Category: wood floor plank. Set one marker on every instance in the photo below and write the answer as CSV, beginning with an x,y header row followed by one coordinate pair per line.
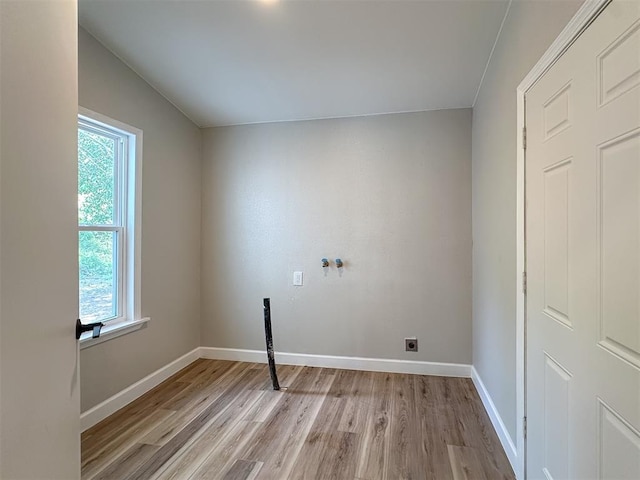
x,y
263,408
99,459
480,432
432,445
309,461
328,450
406,460
196,403
125,418
162,396
243,470
287,374
280,438
197,449
196,364
465,463
357,402
226,423
122,468
374,449
169,449
207,379
339,456
225,452
278,421
448,420
332,456
200,368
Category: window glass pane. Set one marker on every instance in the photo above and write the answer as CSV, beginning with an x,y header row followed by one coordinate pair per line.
x,y
96,178
98,277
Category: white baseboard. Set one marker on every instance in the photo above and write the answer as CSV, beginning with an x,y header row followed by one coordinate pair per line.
x,y
498,425
233,354
111,405
345,363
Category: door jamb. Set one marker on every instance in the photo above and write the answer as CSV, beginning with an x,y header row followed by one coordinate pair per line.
x,y
589,10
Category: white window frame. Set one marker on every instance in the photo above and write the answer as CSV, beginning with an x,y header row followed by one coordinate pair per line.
x,y
129,314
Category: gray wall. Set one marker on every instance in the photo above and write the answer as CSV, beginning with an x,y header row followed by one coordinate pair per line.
x,y
390,195
170,225
528,31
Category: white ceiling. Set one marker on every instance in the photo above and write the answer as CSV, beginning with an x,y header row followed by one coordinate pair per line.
x,y
226,62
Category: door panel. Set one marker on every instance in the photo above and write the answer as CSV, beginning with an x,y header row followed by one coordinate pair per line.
x,y
583,256
556,241
557,388
619,210
39,395
619,446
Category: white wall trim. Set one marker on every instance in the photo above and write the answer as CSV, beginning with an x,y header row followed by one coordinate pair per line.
x,y
587,13
111,331
101,411
589,10
132,249
498,425
235,354
345,363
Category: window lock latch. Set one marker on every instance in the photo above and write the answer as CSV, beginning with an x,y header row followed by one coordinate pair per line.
x,y
81,328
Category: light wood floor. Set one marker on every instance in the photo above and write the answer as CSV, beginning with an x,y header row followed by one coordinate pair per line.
x,y
220,420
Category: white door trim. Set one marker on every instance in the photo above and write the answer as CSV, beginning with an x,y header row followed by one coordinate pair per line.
x,y
589,10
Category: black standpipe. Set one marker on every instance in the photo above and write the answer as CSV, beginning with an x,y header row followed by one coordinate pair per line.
x,y
269,336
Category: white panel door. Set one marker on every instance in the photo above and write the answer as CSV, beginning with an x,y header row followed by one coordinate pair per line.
x,y
583,256
39,394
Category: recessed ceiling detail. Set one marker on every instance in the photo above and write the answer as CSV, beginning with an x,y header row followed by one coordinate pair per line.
x,y
234,62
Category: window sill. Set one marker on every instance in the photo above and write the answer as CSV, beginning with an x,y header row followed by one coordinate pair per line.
x,y
111,331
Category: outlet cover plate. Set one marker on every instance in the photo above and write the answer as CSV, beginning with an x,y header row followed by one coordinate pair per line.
x,y
411,344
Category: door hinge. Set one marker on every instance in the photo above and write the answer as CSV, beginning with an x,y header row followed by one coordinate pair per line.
x,y
524,138
524,427
524,282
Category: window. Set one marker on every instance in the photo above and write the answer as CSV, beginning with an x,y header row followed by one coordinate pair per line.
x,y
108,219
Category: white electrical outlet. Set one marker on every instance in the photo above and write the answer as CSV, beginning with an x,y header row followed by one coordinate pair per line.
x,y
297,279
